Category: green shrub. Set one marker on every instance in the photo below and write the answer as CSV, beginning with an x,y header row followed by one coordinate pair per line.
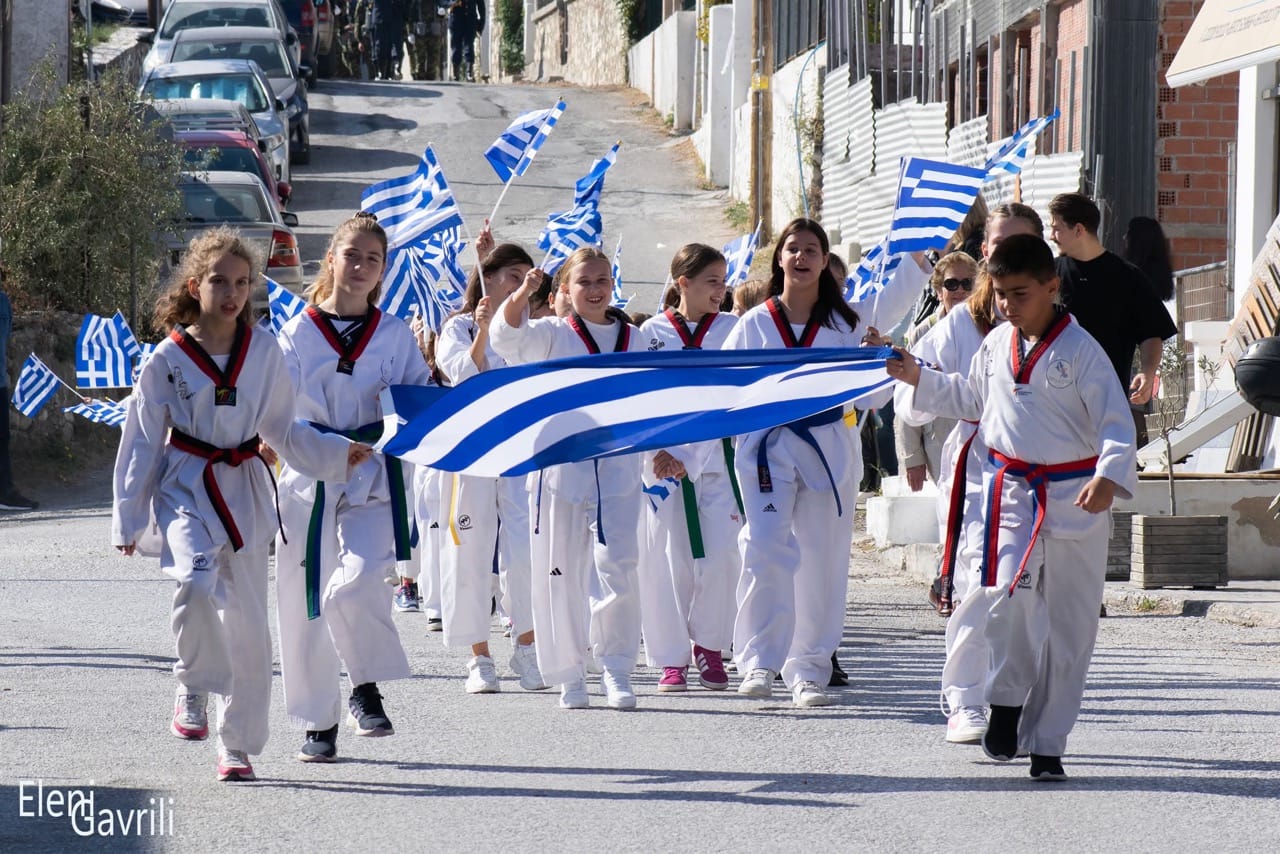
x,y
511,49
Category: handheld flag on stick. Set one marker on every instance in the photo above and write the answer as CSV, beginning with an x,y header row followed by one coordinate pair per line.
x,y
616,299
105,350
1016,151
872,273
933,199
591,185
109,412
569,235
513,151
415,206
283,305
426,278
739,254
36,384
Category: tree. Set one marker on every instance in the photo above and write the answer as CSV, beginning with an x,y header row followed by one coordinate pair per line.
x,y
89,178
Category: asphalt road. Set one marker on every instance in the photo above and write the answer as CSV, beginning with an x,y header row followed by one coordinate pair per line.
x,y
1176,749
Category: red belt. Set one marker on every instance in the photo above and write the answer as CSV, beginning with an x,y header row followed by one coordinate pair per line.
x,y
1037,476
955,518
212,455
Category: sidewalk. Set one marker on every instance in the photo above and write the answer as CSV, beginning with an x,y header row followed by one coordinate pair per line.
x,y
1243,603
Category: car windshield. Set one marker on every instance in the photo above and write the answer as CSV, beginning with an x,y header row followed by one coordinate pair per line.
x,y
213,203
243,88
224,160
191,15
269,55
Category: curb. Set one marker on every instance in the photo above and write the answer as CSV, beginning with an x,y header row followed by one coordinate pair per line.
x,y
1149,603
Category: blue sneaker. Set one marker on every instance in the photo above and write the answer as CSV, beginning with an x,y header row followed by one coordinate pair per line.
x,y
406,598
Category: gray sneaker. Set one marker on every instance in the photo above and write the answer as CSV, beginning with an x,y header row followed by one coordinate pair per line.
x,y
190,715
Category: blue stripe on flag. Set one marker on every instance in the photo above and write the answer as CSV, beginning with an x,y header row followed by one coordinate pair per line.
x,y
591,185
933,199
282,304
105,350
412,207
36,385
1014,153
513,150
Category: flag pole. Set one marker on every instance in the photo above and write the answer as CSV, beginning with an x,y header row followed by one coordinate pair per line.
x,y
494,214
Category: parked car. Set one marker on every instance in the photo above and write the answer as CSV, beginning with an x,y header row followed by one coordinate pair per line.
x,y
209,114
240,200
326,38
138,15
302,17
260,46
189,14
230,151
233,79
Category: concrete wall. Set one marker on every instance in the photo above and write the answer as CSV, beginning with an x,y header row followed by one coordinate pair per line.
x,y
40,30
579,41
662,65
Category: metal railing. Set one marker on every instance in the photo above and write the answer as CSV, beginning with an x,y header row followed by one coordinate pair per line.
x,y
1204,293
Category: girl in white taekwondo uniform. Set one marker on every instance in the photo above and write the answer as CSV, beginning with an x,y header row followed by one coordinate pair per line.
x,y
950,346
190,455
1061,443
344,537
689,563
483,511
799,483
584,530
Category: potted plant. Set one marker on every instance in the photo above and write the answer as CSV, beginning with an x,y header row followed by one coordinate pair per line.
x,y
1173,550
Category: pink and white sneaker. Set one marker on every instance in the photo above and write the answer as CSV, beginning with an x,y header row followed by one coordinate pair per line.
x,y
190,718
672,681
711,674
233,766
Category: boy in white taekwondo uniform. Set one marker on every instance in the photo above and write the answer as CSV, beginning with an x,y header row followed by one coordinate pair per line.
x,y
584,516
1061,440
689,558
344,537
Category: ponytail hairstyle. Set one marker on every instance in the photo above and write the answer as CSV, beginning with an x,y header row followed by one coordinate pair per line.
x,y
689,260
503,255
982,302
176,305
577,259
830,292
361,223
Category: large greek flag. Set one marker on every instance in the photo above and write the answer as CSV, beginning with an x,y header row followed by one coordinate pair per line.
x,y
1016,150
516,420
105,350
513,151
36,384
934,197
413,207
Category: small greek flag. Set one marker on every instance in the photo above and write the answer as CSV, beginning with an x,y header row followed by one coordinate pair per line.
x,y
934,197
872,273
109,412
36,384
105,350
591,185
566,233
425,278
282,304
616,299
1016,150
415,206
513,151
739,254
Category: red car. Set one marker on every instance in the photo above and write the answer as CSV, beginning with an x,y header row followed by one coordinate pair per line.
x,y
231,151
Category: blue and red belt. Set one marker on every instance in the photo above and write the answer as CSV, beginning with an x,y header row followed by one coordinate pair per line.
x,y
801,428
368,434
213,455
1037,476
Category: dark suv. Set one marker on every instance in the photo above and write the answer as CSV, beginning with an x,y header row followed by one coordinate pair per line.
x,y
302,17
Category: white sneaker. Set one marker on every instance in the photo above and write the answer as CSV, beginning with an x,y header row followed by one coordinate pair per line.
x,y
617,688
808,694
482,677
967,725
758,683
524,661
594,666
573,695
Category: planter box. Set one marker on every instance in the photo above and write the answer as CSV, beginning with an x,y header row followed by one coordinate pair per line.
x,y
1179,551
1120,548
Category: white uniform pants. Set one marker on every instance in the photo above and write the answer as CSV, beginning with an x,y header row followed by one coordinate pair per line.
x,y
576,579
964,676
221,629
354,628
429,486
795,576
467,551
1042,636
685,601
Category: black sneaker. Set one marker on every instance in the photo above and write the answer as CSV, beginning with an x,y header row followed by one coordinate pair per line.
x,y
1001,740
320,746
14,500
1047,768
366,711
839,678
435,624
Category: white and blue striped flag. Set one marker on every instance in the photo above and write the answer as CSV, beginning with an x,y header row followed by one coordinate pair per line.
x,y
1016,150
871,275
415,206
140,361
616,299
109,412
739,254
934,197
36,384
282,304
520,419
566,233
425,278
591,185
513,151
105,350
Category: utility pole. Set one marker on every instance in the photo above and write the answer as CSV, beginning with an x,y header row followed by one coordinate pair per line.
x,y
762,118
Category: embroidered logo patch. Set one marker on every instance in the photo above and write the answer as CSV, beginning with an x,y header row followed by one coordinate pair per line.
x,y
200,562
464,523
1059,375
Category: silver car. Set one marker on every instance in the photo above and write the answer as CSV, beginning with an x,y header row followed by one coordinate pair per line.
x,y
240,200
187,14
235,80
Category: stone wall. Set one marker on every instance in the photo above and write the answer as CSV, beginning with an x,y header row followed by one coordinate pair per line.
x,y
578,41
122,54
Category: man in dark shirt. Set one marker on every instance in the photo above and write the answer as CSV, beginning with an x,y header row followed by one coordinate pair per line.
x,y
1109,297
